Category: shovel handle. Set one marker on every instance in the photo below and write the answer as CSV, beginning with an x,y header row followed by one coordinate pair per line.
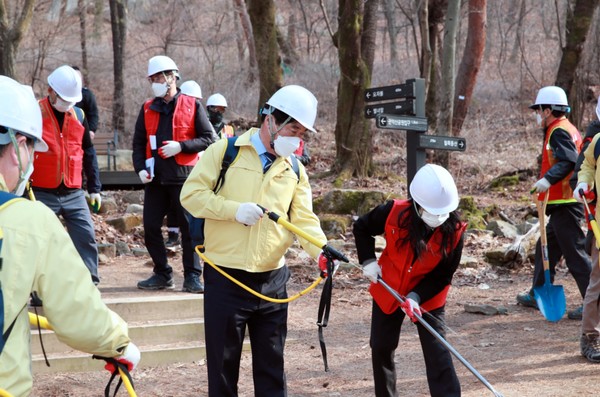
x,y
591,217
541,209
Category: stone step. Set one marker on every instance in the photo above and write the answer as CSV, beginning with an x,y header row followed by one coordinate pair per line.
x,y
145,334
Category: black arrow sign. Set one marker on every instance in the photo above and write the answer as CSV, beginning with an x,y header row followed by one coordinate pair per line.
x,y
402,107
389,92
441,142
408,123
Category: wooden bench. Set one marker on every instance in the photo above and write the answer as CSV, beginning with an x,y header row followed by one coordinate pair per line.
x,y
106,145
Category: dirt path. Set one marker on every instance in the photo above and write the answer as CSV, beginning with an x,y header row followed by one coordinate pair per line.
x,y
520,354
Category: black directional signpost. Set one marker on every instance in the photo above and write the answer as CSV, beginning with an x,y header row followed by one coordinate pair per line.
x,y
408,114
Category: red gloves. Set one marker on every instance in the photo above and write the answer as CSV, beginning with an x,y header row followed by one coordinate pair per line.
x,y
130,358
323,265
410,308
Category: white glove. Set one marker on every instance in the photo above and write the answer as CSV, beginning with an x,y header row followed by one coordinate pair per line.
x,y
248,214
410,308
130,357
541,186
372,271
145,176
170,149
580,186
95,202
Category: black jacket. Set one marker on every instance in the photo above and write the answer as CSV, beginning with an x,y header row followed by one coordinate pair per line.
x,y
89,107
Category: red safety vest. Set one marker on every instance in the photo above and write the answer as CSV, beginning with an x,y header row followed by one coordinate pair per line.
x,y
561,191
63,162
183,126
399,267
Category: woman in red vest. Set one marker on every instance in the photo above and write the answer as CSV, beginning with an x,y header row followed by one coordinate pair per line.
x,y
424,242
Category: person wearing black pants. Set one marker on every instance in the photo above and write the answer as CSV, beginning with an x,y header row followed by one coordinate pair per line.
x,y
441,377
424,242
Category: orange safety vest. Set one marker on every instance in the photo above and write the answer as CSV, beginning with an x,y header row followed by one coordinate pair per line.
x,y
226,131
183,126
561,191
63,162
399,267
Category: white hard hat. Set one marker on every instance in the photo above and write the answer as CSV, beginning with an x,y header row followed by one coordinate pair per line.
x,y
216,100
598,109
161,63
298,103
191,88
553,96
66,82
434,190
20,111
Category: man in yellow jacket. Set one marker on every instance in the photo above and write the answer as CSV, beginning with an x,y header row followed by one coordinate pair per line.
x,y
38,255
249,248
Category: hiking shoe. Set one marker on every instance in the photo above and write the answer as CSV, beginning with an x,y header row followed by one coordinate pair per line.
x,y
575,314
590,347
193,284
156,282
527,299
172,240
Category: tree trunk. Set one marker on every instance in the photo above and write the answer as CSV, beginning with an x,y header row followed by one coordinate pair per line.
x,y
392,30
11,36
82,28
247,29
471,62
355,38
446,99
118,22
578,26
262,16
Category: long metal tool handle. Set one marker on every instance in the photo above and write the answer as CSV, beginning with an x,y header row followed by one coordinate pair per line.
x,y
442,340
541,209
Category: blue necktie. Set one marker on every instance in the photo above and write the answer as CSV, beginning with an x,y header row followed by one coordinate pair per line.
x,y
270,158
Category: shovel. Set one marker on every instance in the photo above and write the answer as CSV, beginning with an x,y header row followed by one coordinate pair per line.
x,y
550,298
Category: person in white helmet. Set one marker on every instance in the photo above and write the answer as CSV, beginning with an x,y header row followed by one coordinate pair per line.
x,y
191,88
250,248
38,255
562,143
588,178
170,131
424,242
216,106
58,180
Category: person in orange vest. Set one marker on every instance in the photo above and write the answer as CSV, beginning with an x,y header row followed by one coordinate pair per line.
x,y
424,242
171,129
57,178
216,106
562,143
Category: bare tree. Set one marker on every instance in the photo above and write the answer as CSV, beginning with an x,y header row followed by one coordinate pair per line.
x,y
388,6
262,16
247,30
578,23
355,41
471,62
81,6
11,35
118,22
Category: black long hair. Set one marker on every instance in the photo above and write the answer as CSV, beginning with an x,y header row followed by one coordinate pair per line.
x,y
419,232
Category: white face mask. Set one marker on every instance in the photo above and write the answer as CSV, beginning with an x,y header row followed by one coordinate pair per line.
x,y
433,221
538,119
62,105
286,145
160,89
24,176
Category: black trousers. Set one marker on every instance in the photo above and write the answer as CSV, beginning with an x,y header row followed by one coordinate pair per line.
x,y
228,311
385,334
158,199
565,238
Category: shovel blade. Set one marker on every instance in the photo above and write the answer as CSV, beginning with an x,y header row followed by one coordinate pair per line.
x,y
551,300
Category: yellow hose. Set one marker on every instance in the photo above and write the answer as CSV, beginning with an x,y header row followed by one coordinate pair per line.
x,y
4,393
250,290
